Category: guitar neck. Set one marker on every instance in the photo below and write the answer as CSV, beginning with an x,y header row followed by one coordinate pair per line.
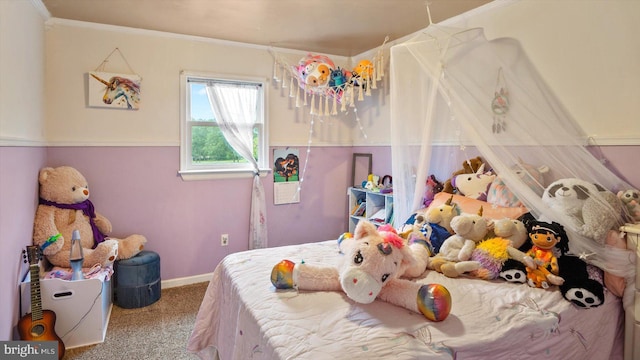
x,y
36,303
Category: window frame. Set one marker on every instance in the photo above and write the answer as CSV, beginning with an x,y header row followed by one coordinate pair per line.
x,y
189,171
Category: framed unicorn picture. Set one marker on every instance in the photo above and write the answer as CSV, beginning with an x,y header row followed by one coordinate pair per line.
x,y
112,90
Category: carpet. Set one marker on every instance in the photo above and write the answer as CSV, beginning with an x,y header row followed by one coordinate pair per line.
x,y
157,331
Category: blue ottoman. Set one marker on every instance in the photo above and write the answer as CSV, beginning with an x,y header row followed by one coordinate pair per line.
x,y
136,281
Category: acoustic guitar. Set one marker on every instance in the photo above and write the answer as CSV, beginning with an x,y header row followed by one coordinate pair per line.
x,y
39,325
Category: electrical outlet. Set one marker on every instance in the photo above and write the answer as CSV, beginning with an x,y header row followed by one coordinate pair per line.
x,y
224,239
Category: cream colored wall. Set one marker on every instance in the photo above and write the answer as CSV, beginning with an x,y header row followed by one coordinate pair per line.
x,y
589,54
22,73
586,50
73,49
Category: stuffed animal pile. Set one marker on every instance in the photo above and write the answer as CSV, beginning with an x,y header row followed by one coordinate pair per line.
x,y
65,207
502,244
452,260
379,263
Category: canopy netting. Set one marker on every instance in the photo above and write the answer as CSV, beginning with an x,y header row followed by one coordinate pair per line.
x,y
456,95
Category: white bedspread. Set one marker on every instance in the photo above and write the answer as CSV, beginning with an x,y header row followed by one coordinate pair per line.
x,y
244,317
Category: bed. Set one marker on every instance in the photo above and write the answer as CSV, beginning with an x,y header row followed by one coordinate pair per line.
x,y
442,83
243,316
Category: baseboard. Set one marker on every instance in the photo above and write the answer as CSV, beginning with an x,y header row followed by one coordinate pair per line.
x,y
166,284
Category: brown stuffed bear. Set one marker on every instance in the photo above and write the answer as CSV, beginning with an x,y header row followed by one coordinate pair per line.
x,y
468,167
64,207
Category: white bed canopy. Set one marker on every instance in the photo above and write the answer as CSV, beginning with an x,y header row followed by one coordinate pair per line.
x,y
444,84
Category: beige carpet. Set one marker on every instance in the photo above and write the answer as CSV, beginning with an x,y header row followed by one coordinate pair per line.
x,y
157,331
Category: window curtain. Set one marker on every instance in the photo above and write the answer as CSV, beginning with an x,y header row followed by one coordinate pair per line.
x,y
235,107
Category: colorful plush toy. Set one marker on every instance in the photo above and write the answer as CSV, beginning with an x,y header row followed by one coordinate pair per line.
x,y
541,260
592,209
631,199
499,194
314,71
452,260
371,269
583,283
64,207
507,236
363,69
469,166
474,185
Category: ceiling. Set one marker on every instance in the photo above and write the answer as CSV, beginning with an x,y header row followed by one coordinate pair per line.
x,y
335,27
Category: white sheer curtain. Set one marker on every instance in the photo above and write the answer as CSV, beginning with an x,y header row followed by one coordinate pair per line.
x,y
443,82
235,106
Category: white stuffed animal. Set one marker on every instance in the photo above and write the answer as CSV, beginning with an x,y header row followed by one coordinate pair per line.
x,y
452,260
475,186
592,210
373,264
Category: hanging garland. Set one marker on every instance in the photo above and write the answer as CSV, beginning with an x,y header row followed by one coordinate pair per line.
x,y
329,86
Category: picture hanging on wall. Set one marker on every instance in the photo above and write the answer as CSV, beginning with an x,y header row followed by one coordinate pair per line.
x,y
111,90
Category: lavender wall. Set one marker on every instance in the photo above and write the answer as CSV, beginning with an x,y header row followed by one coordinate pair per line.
x,y
19,168
622,160
139,190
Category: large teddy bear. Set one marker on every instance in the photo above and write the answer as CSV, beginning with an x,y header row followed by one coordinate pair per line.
x,y
65,207
372,265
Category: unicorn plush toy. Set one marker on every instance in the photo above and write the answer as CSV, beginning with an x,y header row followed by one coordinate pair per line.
x,y
371,269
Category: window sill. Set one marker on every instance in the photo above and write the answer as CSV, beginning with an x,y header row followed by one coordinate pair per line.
x,y
191,175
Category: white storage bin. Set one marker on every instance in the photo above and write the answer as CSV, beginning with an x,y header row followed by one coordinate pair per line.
x,y
82,308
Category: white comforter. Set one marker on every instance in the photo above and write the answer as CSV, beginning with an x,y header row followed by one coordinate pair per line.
x,y
244,317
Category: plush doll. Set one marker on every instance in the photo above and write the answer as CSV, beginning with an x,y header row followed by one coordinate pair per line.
x,y
631,199
469,166
499,194
371,269
541,260
452,260
592,209
474,185
582,283
64,207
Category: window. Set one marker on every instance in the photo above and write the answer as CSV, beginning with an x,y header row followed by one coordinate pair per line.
x,y
205,152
